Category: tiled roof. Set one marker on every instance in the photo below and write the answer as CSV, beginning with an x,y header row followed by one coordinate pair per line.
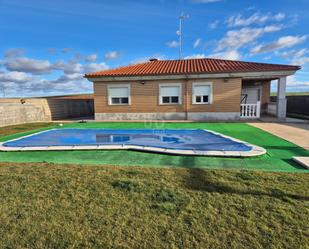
x,y
190,66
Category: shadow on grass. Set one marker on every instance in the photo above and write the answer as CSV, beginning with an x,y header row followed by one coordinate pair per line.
x,y
203,180
280,152
292,163
188,161
293,149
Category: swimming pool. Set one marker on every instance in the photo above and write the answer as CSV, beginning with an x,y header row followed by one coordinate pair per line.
x,y
171,141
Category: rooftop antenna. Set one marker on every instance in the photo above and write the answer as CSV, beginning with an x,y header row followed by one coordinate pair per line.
x,y
182,17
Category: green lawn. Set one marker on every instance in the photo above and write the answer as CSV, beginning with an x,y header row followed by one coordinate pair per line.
x,y
71,206
278,158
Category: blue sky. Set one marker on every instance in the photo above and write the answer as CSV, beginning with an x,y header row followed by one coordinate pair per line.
x,y
46,46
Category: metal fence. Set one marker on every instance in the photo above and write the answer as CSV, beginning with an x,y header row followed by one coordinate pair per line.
x,y
296,104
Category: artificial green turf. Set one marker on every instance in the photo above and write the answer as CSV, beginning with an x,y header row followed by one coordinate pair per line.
x,y
278,158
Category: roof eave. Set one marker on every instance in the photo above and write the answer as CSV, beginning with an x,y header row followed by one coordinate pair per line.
x,y
243,75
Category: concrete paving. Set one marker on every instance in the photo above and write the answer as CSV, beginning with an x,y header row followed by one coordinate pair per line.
x,y
272,119
303,161
297,133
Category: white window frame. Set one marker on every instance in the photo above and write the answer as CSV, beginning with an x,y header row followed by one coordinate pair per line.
x,y
117,86
194,95
170,84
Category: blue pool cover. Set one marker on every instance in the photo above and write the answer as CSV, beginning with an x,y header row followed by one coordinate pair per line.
x,y
169,139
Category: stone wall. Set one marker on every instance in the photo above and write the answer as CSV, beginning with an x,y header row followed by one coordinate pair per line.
x,y
17,111
12,113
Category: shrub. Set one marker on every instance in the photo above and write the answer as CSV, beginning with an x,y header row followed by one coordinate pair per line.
x,y
127,185
246,176
168,200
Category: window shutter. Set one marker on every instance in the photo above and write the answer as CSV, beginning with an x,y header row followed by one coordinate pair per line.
x,y
170,91
119,92
201,90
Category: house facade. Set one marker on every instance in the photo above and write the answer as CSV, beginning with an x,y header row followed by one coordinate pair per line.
x,y
195,89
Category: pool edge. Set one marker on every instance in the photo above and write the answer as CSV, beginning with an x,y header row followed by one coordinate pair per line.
x,y
255,151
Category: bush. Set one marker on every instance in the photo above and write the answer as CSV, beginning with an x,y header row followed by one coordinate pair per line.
x,y
246,176
127,185
168,200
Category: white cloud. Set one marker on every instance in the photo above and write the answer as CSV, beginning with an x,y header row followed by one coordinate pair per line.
x,y
68,67
65,78
33,66
300,61
227,55
279,17
214,24
27,65
76,58
235,39
92,67
293,53
71,68
14,52
256,18
282,42
197,42
46,87
112,55
17,77
52,50
173,44
66,50
91,58
298,57
296,85
147,58
19,73
195,56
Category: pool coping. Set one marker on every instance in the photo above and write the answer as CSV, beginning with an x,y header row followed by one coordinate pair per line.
x,y
255,151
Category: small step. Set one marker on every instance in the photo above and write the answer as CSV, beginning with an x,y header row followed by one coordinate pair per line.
x,y
303,161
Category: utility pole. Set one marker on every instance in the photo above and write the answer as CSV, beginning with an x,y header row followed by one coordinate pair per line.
x,y
182,17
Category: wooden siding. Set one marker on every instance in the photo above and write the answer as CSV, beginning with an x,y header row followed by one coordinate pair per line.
x,y
145,97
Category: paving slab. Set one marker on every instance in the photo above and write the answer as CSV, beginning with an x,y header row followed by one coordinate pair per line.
x,y
292,132
303,161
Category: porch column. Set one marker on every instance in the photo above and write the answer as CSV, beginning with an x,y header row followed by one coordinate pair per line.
x,y
281,98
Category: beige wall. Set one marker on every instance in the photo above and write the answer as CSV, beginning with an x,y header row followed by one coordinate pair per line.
x,y
12,111
265,94
144,98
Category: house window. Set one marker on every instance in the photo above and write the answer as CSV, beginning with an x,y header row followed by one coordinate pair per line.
x,y
119,95
202,93
170,94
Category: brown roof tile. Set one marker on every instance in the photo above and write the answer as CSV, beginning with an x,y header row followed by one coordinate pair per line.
x,y
190,66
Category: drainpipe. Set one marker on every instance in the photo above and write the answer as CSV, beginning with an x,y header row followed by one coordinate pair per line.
x,y
186,99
